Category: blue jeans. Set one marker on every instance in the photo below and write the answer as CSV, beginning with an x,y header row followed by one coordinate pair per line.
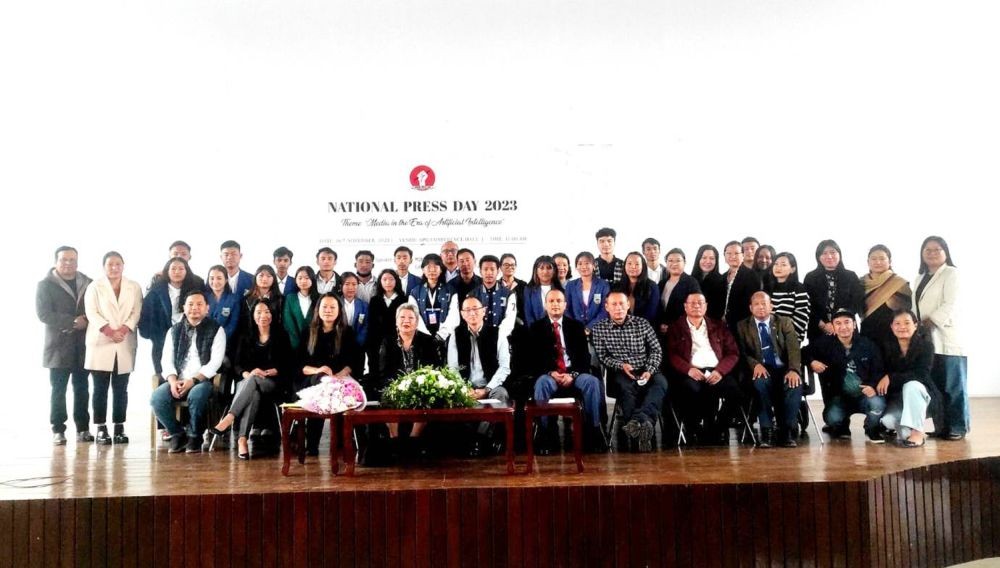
x,y
59,379
951,377
838,412
774,392
163,406
586,384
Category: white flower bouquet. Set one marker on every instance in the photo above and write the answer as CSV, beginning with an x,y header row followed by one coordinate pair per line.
x,y
429,387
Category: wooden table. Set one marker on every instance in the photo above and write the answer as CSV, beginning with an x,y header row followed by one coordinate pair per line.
x,y
289,416
378,415
534,409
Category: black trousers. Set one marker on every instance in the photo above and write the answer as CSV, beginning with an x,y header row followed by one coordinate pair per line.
x,y
59,379
119,390
700,400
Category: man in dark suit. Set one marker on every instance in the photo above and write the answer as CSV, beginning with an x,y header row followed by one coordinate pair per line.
x,y
703,358
240,281
742,282
770,349
282,261
561,361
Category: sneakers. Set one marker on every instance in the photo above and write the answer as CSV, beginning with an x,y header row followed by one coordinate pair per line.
x,y
177,443
193,445
84,436
103,438
58,439
766,439
875,436
645,437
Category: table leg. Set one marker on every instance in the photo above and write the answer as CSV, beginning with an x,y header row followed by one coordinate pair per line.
x,y
350,452
286,444
578,439
334,447
508,426
301,435
529,441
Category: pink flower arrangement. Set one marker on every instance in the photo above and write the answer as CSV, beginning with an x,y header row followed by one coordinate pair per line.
x,y
333,395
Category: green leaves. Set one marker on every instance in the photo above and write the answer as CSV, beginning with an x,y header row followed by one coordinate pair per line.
x,y
429,387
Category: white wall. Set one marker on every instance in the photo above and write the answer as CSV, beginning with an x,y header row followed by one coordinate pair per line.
x,y
126,125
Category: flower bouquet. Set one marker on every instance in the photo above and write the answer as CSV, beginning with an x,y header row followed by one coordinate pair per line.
x,y
429,387
332,395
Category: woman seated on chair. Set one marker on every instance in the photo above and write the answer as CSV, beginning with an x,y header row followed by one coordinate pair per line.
x,y
263,361
330,348
907,384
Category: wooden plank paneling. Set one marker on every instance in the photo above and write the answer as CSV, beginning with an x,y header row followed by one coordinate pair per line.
x,y
317,553
362,528
51,537
347,551
145,528
331,530
439,528
759,506
67,528
501,529
209,536
113,514
36,532
223,530
254,530
191,519
728,528
709,498
82,524
776,524
515,526
238,530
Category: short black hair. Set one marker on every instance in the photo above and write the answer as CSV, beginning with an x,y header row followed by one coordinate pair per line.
x,y
114,253
651,241
194,292
405,249
749,240
364,252
326,249
462,251
230,245
64,248
489,258
676,250
508,255
179,244
282,251
606,232
732,243
345,275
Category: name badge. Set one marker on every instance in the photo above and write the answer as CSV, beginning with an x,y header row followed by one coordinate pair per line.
x,y
503,302
597,297
226,312
361,318
432,318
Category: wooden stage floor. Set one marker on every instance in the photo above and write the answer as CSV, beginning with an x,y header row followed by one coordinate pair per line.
x,y
87,470
845,503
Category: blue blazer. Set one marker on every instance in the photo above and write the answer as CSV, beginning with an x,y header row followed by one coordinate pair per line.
x,y
225,311
594,311
412,281
290,287
534,306
156,319
243,283
360,321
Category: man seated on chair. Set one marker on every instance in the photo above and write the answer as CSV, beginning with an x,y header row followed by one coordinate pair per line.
x,y
770,348
192,355
702,356
481,355
628,348
560,359
850,366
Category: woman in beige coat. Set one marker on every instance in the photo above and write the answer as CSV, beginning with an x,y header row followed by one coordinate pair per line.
x,y
112,304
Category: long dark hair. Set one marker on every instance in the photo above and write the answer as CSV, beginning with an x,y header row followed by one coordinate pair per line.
x,y
696,270
255,331
187,285
256,292
380,291
316,324
793,278
944,246
433,259
545,259
569,265
643,288
313,292
227,289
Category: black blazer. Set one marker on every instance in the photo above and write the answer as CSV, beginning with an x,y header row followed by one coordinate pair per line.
x,y
850,295
675,303
543,346
745,285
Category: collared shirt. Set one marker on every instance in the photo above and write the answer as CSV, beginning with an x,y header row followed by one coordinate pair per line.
x,y
655,274
366,289
305,301
282,280
234,281
702,354
633,341
450,275
192,363
404,281
326,286
349,311
476,375
175,297
767,329
612,271
562,341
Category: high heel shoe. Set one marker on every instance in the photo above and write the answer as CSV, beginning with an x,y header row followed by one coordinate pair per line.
x,y
220,433
245,456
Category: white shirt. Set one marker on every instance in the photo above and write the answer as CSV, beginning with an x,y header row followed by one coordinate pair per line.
x,y
325,286
305,302
281,284
404,281
366,290
562,341
234,281
767,327
192,363
654,274
175,296
702,355
349,311
476,375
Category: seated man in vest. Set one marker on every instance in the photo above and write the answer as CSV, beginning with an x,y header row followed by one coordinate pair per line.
x,y
628,347
703,358
481,355
560,359
770,348
192,355
500,304
850,366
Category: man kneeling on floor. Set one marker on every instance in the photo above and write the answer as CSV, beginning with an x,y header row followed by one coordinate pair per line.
x,y
627,346
192,355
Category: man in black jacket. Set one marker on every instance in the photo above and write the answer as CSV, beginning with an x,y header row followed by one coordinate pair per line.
x,y
59,305
561,361
850,366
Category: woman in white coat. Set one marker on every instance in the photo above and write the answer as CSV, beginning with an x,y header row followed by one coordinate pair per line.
x,y
935,296
113,304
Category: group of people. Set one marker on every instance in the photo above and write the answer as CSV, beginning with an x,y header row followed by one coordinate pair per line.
x,y
739,331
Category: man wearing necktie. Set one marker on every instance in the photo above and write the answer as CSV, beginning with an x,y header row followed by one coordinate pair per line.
x,y
770,349
560,359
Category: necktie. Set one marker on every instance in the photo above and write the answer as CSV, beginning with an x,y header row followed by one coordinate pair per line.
x,y
766,347
560,352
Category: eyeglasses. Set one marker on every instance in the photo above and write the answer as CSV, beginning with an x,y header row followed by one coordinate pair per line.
x,y
472,310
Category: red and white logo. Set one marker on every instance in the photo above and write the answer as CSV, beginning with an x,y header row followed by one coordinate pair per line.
x,y
422,178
